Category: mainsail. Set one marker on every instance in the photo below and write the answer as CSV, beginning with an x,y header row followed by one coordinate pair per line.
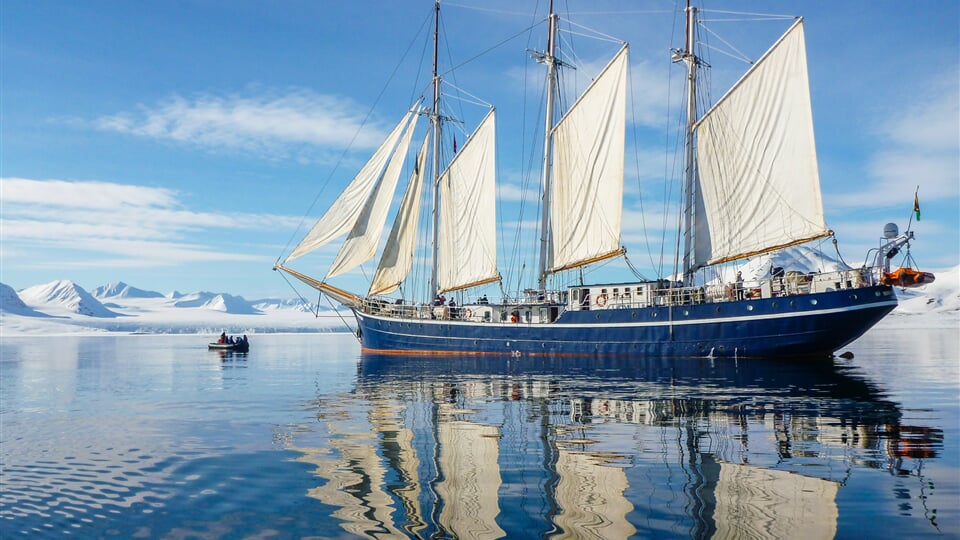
x,y
468,237
586,204
346,210
397,255
759,187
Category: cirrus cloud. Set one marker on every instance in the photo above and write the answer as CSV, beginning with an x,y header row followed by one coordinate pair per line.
x,y
270,123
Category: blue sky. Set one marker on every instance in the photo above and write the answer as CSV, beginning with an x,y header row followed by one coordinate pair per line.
x,y
187,145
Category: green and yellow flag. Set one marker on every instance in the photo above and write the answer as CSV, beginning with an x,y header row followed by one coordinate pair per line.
x,y
916,206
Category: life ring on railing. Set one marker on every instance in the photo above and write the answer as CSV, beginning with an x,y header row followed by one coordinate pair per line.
x,y
468,312
601,300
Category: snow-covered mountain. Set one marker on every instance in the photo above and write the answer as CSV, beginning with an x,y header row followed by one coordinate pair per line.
x,y
274,304
64,297
941,296
803,259
10,303
63,307
122,290
798,259
216,301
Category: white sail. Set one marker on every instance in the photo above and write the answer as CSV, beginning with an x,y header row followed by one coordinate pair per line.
x,y
468,239
758,186
361,244
586,203
397,255
344,212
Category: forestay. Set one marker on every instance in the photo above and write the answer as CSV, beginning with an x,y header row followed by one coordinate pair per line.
x,y
759,187
586,202
468,241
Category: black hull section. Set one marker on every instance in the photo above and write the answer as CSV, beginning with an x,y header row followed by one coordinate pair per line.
x,y
804,325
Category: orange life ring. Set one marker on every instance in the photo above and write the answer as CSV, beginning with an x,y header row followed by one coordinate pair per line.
x,y
601,300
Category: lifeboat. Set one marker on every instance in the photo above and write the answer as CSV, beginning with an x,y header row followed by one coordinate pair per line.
x,y
907,277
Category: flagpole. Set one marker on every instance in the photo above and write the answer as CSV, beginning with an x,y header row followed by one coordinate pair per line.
x,y
916,208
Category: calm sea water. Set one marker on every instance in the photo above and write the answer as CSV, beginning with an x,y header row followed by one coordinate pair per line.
x,y
156,437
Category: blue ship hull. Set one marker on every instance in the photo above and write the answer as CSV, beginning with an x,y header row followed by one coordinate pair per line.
x,y
805,325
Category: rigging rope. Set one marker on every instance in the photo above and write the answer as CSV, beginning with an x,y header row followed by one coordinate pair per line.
x,y
316,313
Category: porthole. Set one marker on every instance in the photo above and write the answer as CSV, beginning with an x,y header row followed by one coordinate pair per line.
x,y
793,303
633,314
508,344
718,309
853,297
813,301
686,313
654,314
749,308
773,304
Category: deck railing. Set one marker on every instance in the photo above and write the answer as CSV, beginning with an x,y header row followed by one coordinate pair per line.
x,y
530,305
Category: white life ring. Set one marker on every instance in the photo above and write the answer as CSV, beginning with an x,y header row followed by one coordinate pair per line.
x,y
601,300
468,313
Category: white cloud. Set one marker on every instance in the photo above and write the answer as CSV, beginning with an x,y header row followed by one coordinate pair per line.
x,y
140,226
268,123
920,146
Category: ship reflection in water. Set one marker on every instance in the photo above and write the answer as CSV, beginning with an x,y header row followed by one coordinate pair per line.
x,y
574,448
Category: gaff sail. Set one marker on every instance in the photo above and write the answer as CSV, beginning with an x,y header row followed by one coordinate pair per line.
x,y
586,203
468,236
758,186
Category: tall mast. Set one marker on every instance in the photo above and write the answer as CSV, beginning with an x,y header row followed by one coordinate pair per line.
x,y
688,205
435,121
545,230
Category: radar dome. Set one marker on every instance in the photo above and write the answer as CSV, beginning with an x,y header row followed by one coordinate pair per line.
x,y
890,230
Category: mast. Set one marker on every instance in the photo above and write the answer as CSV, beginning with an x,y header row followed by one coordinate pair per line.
x,y
691,60
435,120
549,59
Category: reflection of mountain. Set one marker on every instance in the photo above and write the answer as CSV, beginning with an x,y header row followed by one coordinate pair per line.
x,y
476,448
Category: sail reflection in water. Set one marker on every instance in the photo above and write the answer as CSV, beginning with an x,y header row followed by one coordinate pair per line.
x,y
541,447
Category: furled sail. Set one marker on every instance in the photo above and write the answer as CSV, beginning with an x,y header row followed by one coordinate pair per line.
x,y
586,203
468,240
361,244
345,211
397,255
759,187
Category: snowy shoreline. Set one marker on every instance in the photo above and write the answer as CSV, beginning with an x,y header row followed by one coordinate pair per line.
x,y
63,308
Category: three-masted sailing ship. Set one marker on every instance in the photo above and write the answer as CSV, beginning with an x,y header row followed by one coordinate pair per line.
x,y
751,186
